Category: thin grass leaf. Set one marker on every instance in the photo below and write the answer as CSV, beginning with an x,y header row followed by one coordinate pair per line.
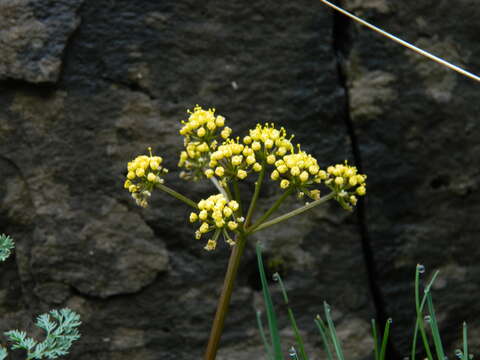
x,y
333,332
465,342
323,333
271,316
268,347
434,325
386,333
419,310
298,337
375,339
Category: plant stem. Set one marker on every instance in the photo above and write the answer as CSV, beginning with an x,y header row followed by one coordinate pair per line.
x,y
291,213
177,195
270,211
224,301
236,192
253,203
219,187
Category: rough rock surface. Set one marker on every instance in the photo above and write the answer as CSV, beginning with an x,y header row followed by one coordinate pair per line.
x,y
144,288
33,37
417,129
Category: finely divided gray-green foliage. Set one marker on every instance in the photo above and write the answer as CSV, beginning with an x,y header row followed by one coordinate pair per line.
x,y
6,246
60,326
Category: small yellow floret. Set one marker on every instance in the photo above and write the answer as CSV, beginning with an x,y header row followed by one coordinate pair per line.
x,y
232,225
140,172
284,184
209,173
219,171
361,190
241,174
151,177
233,205
193,217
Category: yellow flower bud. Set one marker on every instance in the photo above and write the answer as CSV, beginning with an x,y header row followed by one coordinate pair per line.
x,y
203,215
154,165
295,171
131,175
353,200
211,125
219,171
193,217
241,174
275,175
282,169
232,225
220,121
201,132
271,159
209,173
211,245
151,177
250,159
140,172
227,212
284,184
256,146
268,144
127,184
361,190
257,167
352,181
236,160
226,132
132,188
339,180
247,140
303,176
203,228
233,205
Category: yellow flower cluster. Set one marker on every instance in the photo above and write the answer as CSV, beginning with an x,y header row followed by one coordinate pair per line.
x,y
345,181
232,160
201,138
268,142
299,170
144,172
216,214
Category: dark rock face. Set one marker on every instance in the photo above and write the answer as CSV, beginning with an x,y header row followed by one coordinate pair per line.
x,y
33,36
144,287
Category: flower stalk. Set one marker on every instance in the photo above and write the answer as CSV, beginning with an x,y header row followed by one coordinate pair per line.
x,y
224,300
212,153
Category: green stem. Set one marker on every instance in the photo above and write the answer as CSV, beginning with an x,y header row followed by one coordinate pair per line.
x,y
224,301
270,211
177,195
219,187
236,192
253,203
290,214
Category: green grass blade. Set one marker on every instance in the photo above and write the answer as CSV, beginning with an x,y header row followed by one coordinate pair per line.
x,y
298,337
434,325
419,310
375,339
466,356
268,347
271,316
333,332
323,333
386,333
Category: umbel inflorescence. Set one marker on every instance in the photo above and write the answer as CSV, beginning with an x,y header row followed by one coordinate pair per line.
x,y
212,152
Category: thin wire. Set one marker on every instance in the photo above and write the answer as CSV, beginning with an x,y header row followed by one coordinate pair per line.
x,y
404,43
